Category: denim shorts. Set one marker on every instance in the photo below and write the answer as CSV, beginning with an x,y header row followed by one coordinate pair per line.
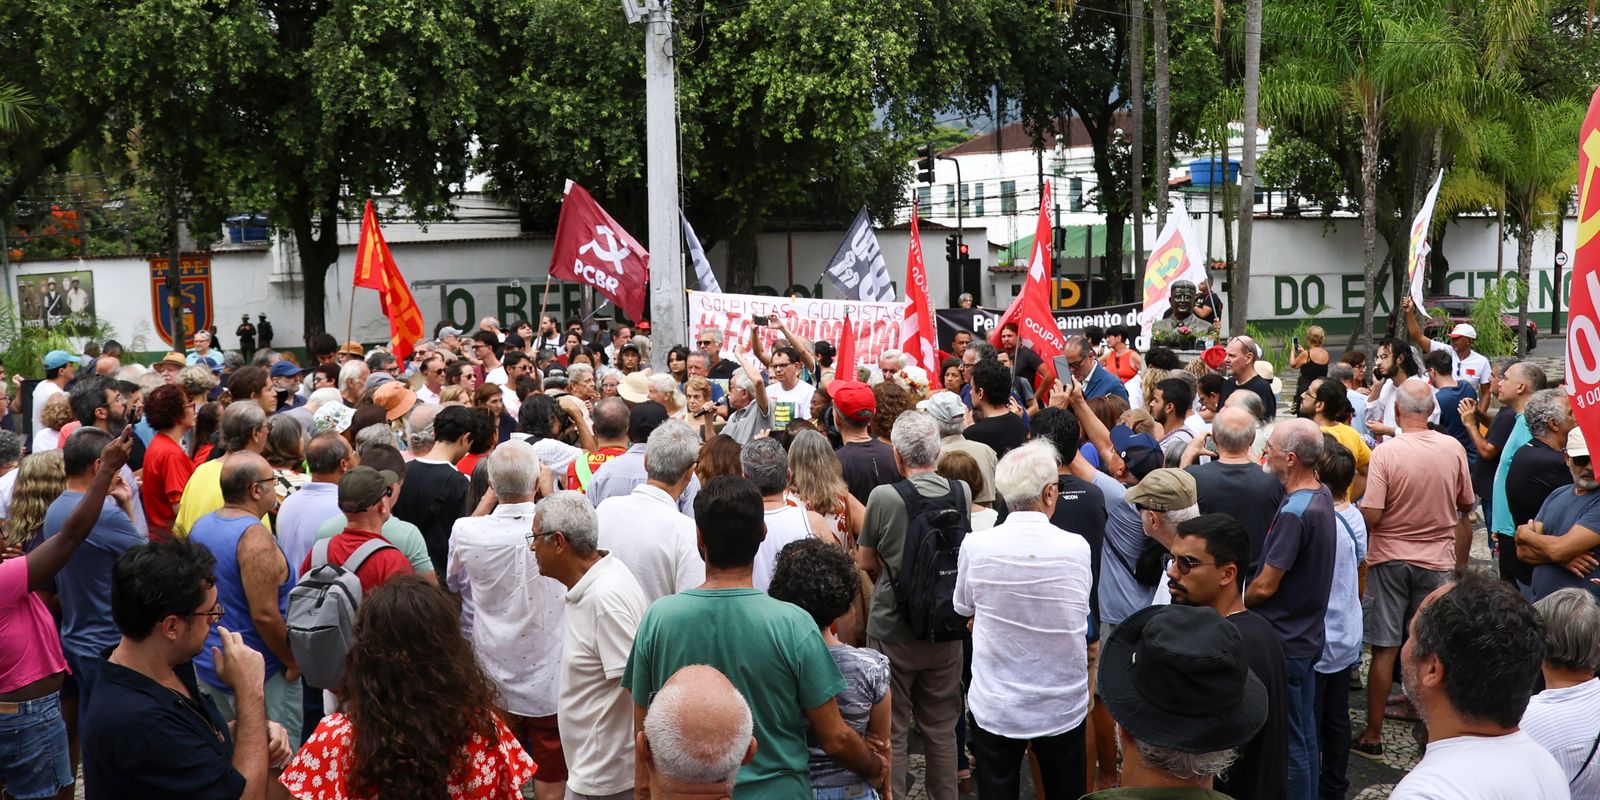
x,y
857,791
33,749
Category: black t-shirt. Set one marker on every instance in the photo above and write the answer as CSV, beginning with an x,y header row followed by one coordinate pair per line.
x,y
723,370
1261,386
1027,364
867,465
1245,492
1004,432
433,498
1536,471
1263,766
1499,432
1081,509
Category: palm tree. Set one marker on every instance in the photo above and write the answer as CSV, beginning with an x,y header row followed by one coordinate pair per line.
x,y
1397,65
16,108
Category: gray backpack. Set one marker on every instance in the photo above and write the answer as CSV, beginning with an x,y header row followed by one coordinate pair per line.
x,y
322,613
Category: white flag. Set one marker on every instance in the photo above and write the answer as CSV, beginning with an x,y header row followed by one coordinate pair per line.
x,y
1417,255
702,268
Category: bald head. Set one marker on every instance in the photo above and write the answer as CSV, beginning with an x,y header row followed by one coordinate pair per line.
x,y
698,729
1414,402
1234,429
242,471
107,366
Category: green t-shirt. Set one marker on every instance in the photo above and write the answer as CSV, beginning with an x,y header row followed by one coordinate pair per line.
x,y
406,538
770,650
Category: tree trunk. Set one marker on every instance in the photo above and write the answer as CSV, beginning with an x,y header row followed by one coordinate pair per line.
x,y
1111,268
1240,296
1163,157
316,254
1524,267
1369,222
743,259
1136,109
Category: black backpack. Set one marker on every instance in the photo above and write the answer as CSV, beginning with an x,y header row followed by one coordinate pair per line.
x,y
926,585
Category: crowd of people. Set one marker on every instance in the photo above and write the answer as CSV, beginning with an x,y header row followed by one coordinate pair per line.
x,y
525,556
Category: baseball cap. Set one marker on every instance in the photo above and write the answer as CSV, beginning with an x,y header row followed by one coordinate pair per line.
x,y
1464,330
853,399
944,407
1124,438
361,487
395,398
285,369
1577,445
56,359
449,330
1164,489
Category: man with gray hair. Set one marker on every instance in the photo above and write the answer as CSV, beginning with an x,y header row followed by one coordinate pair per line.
x,y
1549,461
1345,375
749,408
766,465
925,677
1563,540
604,605
644,529
1025,584
517,614
1562,717
353,381
1508,433
1233,483
1240,366
1290,588
697,734
244,427
708,342
950,414
1418,486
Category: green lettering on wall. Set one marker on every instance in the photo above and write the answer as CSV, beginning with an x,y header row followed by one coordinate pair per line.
x,y
1353,290
463,321
511,300
1280,283
1313,302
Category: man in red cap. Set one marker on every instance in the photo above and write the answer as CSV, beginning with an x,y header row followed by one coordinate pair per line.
x,y
868,461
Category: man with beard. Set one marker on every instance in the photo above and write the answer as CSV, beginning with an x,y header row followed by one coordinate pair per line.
x,y
1396,365
1564,539
1172,406
98,403
1210,554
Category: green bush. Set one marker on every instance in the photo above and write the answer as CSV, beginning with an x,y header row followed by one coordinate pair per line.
x,y
24,346
1494,338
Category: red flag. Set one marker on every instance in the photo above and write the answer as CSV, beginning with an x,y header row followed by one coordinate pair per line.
x,y
845,367
1583,326
375,269
1036,327
591,248
916,328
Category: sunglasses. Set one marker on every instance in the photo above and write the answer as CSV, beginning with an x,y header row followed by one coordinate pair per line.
x,y
704,343
1582,461
1186,564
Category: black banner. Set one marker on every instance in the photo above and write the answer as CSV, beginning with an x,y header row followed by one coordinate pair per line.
x,y
980,322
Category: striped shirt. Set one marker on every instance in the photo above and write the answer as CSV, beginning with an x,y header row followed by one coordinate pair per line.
x,y
1566,722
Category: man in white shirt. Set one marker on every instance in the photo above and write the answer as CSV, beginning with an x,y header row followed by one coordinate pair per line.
x,y
1469,668
790,396
77,298
619,339
1026,586
645,530
767,466
432,380
59,369
1470,366
1562,717
603,607
1395,365
517,613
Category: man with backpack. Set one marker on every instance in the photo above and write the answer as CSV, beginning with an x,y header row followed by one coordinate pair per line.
x,y
909,545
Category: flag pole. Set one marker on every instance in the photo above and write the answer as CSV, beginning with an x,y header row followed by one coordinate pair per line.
x,y
350,318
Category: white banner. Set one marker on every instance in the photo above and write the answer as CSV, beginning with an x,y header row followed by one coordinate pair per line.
x,y
1417,257
877,324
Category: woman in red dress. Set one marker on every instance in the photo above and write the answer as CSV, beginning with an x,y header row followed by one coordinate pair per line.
x,y
416,714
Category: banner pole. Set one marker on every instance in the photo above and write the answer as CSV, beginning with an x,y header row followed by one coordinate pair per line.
x,y
350,318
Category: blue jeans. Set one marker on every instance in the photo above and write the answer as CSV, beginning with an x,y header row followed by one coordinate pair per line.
x,y
1300,695
859,791
33,748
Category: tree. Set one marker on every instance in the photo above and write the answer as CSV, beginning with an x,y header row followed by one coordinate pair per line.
x,y
1136,121
1247,169
1163,157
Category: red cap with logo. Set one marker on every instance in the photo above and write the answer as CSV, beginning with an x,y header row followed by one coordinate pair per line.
x,y
853,399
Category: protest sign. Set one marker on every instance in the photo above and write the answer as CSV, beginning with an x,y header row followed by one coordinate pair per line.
x,y
877,325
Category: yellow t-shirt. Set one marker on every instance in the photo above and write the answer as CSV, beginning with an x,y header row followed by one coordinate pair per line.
x,y
1345,434
201,496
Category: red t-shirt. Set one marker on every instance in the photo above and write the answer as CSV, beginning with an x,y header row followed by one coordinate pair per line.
x,y
469,462
486,770
166,471
595,459
376,570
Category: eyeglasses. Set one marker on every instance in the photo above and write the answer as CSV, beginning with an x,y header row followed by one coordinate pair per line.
x,y
1187,563
215,613
534,536
268,479
704,343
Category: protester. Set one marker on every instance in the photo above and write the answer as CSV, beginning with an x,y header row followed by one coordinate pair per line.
x,y
867,462
949,413
1563,541
417,714
621,474
328,458
1328,405
644,530
822,581
1417,487
1172,407
999,426
1206,568
1467,365
1187,708
926,675
252,578
149,731
244,427
1121,360
603,608
1025,584
1097,382
1395,366
1561,717
59,369
1291,587
769,649
1242,356
1355,394
1234,483
1517,388
516,616
1341,650
1311,361
1470,663
696,735
404,536
285,450
167,468
816,480
435,492
610,440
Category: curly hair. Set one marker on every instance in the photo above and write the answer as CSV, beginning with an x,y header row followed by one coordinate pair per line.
x,y
892,401
413,692
719,456
816,576
196,379
538,417
41,478
57,411
1491,642
165,406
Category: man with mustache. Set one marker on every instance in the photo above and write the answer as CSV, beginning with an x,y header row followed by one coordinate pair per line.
x,y
1210,554
1563,540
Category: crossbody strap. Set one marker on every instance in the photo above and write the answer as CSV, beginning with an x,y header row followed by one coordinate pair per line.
x,y
1586,759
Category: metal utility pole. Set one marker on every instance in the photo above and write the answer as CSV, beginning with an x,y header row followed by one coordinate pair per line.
x,y
668,312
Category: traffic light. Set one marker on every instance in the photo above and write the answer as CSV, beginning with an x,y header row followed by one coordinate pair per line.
x,y
925,164
953,249
962,249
